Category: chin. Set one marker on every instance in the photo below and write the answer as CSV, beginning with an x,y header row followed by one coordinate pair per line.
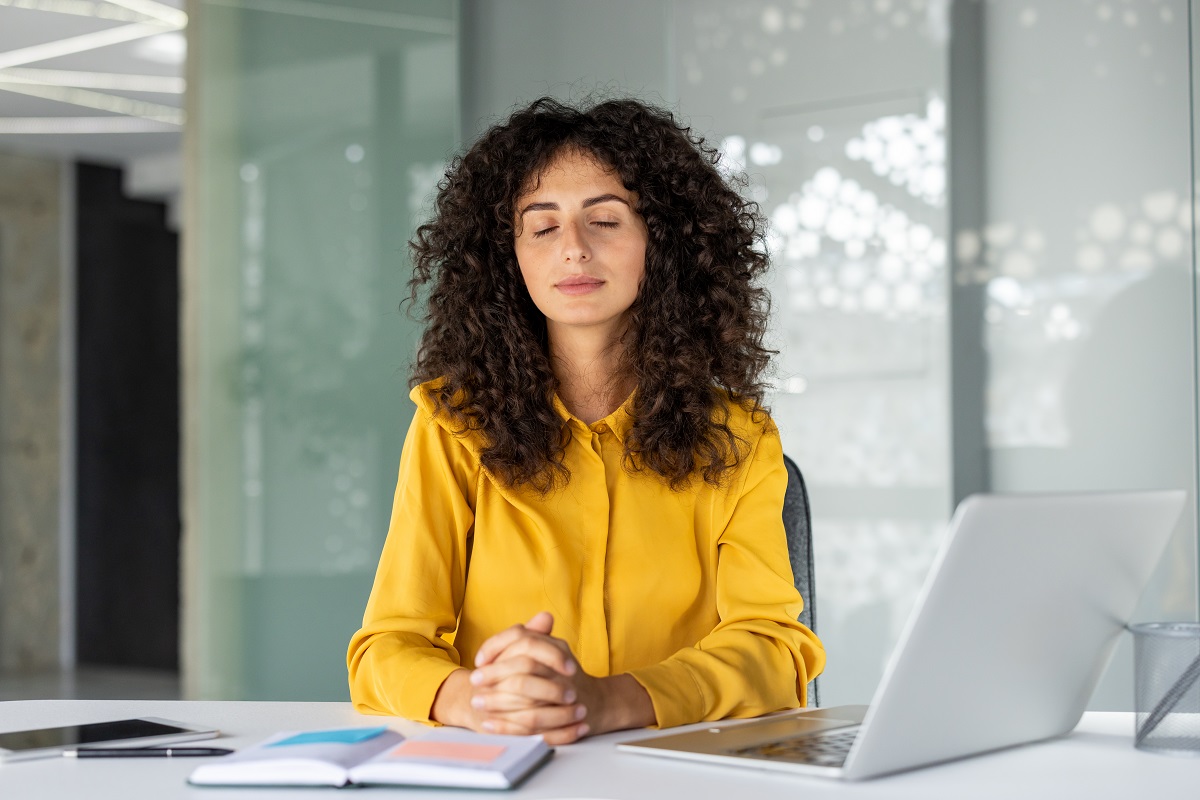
x,y
580,320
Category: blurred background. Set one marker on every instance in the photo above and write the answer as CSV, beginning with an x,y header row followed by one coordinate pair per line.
x,y
982,223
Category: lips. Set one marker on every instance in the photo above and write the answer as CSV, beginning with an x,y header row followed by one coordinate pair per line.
x,y
579,284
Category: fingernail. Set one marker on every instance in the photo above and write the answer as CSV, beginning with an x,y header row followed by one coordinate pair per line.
x,y
488,726
570,667
580,712
583,729
569,697
476,677
476,702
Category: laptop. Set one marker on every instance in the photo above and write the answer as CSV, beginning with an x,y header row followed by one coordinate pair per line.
x,y
1017,620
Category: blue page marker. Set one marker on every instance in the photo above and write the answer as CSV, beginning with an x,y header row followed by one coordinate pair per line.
x,y
340,736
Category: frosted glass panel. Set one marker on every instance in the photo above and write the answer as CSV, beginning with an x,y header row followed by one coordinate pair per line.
x,y
1087,259
836,111
320,129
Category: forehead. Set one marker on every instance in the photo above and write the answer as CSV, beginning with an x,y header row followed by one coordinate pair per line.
x,y
573,169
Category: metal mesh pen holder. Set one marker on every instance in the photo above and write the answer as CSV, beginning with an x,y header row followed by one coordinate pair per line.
x,y
1166,679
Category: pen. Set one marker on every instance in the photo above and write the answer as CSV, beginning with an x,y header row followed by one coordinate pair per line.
x,y
145,752
1169,700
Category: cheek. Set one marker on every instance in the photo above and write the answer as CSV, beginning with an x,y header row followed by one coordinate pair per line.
x,y
635,266
526,265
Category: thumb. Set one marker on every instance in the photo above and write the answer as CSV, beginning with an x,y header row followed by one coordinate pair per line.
x,y
542,622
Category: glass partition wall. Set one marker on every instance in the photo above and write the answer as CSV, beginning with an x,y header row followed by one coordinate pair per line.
x,y
982,230
1087,261
837,114
318,131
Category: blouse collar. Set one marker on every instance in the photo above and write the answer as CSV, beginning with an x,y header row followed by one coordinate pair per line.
x,y
619,421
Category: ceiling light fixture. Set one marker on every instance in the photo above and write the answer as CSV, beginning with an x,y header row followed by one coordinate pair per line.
x,y
122,82
78,8
166,48
155,10
99,101
80,44
75,125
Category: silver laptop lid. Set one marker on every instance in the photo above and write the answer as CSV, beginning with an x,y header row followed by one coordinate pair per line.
x,y
1018,619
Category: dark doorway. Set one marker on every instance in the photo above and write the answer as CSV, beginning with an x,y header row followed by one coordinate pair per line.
x,y
127,412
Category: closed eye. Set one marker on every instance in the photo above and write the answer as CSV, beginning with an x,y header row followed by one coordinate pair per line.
x,y
552,228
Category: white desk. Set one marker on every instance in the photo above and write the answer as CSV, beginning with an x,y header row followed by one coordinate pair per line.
x,y
1097,761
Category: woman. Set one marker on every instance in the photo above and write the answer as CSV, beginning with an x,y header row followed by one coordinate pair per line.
x,y
588,511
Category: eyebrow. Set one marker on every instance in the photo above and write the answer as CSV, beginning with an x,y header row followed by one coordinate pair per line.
x,y
588,203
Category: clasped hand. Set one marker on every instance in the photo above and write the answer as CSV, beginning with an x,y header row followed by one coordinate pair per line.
x,y
526,681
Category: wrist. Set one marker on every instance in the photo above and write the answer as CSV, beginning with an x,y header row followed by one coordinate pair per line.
x,y
626,704
451,704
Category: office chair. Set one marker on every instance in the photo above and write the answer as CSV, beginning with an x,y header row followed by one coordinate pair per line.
x,y
797,522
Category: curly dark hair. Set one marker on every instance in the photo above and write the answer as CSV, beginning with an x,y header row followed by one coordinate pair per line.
x,y
695,339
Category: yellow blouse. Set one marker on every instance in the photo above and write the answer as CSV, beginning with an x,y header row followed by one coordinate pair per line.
x,y
690,592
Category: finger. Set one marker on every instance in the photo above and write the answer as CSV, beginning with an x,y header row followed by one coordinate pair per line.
x,y
506,667
567,735
542,622
524,722
553,653
502,702
495,703
497,643
532,689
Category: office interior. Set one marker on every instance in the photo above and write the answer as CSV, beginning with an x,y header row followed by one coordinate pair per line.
x,y
983,234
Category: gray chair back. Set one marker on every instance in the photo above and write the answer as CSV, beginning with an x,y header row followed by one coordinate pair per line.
x,y
797,522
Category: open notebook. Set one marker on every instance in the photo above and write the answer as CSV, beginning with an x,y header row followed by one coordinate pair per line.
x,y
379,756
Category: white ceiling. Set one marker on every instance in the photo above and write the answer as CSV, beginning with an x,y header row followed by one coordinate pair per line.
x,y
96,80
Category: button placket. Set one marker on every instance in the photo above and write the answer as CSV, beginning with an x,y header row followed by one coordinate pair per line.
x,y
594,646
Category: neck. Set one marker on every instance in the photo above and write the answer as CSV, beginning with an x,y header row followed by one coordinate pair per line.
x,y
587,364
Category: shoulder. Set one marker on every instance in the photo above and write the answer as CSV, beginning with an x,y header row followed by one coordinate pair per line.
x,y
746,420
759,450
425,395
435,417
760,476
759,437
433,456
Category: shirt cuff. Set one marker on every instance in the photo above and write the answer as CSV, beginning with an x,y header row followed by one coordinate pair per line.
x,y
416,692
674,692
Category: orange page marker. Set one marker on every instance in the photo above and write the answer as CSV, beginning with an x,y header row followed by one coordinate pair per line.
x,y
456,751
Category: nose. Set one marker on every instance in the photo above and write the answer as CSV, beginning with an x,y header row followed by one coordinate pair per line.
x,y
574,244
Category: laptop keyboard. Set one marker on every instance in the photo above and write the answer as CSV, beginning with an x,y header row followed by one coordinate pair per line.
x,y
823,749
